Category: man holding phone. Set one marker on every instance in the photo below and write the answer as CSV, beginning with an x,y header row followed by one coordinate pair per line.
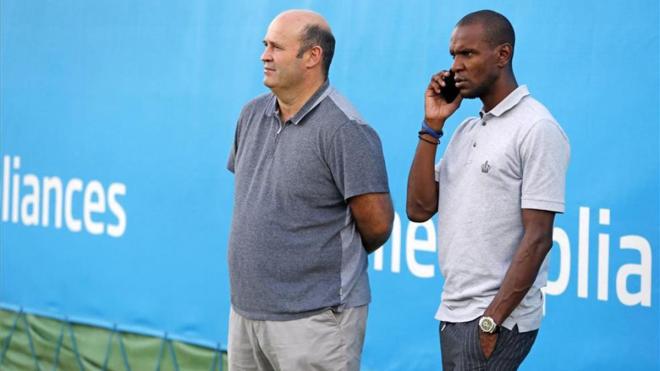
x,y
496,191
311,201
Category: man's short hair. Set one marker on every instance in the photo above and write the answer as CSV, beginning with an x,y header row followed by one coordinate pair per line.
x,y
498,29
313,35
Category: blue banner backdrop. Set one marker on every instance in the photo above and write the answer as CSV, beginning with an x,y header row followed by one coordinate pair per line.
x,y
116,120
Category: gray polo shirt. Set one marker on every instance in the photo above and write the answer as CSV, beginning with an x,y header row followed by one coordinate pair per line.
x,y
511,158
294,248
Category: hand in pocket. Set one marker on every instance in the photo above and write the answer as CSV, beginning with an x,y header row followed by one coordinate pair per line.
x,y
487,342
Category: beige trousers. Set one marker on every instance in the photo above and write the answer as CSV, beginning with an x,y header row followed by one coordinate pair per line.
x,y
329,340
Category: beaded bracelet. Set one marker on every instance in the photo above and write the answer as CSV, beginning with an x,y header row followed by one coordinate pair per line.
x,y
421,136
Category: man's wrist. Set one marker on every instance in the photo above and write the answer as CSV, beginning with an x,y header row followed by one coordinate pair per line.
x,y
430,130
436,123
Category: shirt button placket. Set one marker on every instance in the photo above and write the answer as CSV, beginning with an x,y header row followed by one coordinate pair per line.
x,y
279,129
475,140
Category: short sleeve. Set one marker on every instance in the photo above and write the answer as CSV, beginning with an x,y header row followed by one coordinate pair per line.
x,y
545,153
231,161
355,158
233,150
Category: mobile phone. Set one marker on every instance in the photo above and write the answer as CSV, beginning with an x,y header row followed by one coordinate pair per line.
x,y
450,91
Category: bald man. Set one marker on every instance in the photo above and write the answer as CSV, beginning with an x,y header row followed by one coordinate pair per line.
x,y
496,191
311,201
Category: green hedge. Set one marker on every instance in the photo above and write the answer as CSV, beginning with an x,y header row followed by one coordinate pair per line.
x,y
31,342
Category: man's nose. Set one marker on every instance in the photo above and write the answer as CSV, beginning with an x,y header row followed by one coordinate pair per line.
x,y
456,65
266,56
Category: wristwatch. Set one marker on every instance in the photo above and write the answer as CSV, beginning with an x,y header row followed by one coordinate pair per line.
x,y
487,324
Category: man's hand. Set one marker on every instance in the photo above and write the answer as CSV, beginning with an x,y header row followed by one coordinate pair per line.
x,y
487,342
436,109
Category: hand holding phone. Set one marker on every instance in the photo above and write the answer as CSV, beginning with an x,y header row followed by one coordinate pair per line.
x,y
441,99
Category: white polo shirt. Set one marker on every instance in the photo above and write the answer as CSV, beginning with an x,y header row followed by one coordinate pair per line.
x,y
511,158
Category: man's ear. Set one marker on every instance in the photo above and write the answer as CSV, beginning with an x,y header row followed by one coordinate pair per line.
x,y
504,54
314,56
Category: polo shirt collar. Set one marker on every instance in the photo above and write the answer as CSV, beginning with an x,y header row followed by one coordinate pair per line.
x,y
311,103
507,103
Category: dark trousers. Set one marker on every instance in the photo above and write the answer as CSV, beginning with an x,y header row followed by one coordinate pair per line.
x,y
461,350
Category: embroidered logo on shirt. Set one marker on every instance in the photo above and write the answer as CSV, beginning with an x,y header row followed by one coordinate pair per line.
x,y
485,167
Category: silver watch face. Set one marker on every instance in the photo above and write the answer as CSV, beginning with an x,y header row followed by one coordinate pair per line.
x,y
487,324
